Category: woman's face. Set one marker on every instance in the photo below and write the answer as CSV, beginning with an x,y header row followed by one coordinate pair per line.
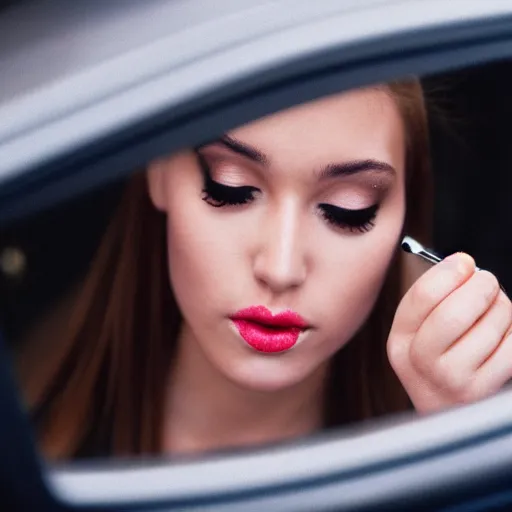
x,y
299,212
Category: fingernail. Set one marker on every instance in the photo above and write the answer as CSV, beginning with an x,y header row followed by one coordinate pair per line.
x,y
460,260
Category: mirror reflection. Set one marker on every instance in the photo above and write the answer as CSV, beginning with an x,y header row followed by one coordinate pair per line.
x,y
253,290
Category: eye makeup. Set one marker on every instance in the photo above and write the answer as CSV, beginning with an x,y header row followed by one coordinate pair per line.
x,y
218,195
361,220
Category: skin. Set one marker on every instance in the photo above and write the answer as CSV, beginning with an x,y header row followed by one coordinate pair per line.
x,y
451,340
280,252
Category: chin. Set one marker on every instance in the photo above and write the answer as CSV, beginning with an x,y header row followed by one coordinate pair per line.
x,y
268,374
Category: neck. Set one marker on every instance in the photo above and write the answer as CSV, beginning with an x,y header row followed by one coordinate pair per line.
x,y
205,411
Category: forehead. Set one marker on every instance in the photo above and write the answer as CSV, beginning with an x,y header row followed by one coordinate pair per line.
x,y
364,123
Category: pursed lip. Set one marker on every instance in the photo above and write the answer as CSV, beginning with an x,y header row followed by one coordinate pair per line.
x,y
261,315
266,332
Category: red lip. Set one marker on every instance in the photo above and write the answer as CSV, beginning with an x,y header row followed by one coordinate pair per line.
x,y
266,332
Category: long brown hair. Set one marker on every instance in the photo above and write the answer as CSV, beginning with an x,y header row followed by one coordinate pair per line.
x,y
103,391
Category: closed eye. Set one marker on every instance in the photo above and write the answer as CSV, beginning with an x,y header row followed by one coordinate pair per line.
x,y
217,194
361,220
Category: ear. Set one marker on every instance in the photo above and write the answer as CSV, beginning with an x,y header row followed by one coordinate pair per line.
x,y
157,184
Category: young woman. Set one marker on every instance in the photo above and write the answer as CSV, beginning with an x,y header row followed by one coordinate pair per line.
x,y
250,291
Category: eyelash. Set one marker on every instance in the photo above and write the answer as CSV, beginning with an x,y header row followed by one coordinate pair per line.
x,y
354,220
219,195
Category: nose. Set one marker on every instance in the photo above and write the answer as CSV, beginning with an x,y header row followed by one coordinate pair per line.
x,y
280,261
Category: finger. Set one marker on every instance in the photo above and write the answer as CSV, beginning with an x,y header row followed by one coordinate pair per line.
x,y
494,373
454,371
455,316
430,290
423,296
479,343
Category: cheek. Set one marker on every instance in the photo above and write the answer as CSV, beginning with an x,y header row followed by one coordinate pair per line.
x,y
354,271
194,259
354,288
204,258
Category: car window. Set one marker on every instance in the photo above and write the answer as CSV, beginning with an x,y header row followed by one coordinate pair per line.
x,y
63,283
254,290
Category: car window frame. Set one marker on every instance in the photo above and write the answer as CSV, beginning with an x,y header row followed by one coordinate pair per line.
x,y
429,468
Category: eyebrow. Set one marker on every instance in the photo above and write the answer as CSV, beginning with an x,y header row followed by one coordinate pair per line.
x,y
355,167
330,171
243,149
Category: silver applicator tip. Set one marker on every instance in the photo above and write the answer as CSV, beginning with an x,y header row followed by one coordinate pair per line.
x,y
412,246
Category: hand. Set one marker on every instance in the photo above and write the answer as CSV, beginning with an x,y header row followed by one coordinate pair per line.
x,y
451,338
